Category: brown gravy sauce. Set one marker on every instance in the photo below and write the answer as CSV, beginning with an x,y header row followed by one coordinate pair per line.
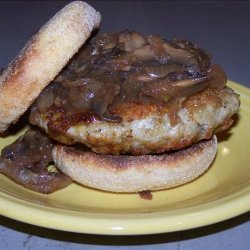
x,y
114,68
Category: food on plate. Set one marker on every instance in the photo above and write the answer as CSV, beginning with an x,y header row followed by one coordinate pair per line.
x,y
128,113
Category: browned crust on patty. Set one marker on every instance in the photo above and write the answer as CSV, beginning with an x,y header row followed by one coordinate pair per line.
x,y
135,111
42,58
135,173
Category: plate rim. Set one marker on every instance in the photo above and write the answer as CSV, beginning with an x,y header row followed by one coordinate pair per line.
x,y
127,224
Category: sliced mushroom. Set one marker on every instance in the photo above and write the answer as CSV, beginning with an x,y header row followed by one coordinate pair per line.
x,y
164,90
179,55
130,41
84,55
157,46
122,61
189,82
144,53
202,57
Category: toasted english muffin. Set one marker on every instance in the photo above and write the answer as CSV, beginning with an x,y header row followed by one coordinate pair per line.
x,y
126,173
42,58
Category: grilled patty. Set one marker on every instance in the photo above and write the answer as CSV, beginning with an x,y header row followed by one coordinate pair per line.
x,y
145,128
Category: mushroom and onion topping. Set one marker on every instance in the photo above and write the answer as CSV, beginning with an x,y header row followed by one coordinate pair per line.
x,y
125,67
26,162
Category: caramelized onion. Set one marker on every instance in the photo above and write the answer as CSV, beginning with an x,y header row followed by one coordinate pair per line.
x,y
26,160
45,100
81,96
193,82
217,77
130,89
100,105
162,70
40,182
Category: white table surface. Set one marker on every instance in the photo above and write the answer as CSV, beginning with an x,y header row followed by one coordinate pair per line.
x,y
222,27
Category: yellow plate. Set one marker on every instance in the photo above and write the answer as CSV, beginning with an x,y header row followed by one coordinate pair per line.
x,y
221,193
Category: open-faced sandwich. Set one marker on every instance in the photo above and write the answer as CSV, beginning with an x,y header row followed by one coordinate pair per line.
x,y
122,112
